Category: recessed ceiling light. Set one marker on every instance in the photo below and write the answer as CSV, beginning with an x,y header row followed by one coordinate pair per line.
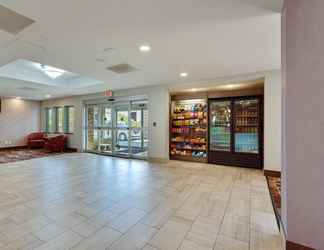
x,y
145,48
48,96
183,74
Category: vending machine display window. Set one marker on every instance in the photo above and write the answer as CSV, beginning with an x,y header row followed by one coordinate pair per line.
x,y
236,131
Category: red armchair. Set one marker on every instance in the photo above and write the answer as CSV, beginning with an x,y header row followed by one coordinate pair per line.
x,y
36,140
56,144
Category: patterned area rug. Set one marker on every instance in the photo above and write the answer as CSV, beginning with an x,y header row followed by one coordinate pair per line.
x,y
7,156
275,190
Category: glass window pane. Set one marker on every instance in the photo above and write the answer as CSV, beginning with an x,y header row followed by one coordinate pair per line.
x,y
60,120
121,141
106,141
92,131
139,142
139,115
220,126
46,120
106,117
145,118
122,118
139,129
50,121
136,118
71,120
246,126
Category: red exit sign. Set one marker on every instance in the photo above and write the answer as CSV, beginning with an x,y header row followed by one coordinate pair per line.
x,y
108,93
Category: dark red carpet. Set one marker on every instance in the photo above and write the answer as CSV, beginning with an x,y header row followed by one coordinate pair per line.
x,y
7,156
275,191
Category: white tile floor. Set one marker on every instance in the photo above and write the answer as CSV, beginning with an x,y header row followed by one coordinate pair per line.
x,y
84,201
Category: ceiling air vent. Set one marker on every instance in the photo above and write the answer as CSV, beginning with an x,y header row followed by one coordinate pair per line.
x,y
13,22
122,68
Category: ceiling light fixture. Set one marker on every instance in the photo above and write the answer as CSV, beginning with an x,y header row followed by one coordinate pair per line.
x,y
183,74
48,96
51,72
145,48
230,86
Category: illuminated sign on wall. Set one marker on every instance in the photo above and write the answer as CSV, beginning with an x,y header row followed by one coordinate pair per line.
x,y
108,93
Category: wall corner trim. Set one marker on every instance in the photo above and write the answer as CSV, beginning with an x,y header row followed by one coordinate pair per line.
x,y
271,173
294,246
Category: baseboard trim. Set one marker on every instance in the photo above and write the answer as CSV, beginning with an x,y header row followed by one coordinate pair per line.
x,y
14,148
25,147
271,173
294,246
71,150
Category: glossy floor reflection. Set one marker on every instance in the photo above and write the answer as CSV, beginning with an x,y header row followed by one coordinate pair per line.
x,y
85,201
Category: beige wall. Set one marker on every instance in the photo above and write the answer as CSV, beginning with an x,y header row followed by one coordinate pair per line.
x,y
18,118
272,121
303,124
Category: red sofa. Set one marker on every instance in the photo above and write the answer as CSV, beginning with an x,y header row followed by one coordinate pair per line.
x,y
56,144
36,140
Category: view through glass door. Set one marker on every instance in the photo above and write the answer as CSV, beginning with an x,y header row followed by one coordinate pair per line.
x,y
105,140
139,129
92,127
117,129
121,130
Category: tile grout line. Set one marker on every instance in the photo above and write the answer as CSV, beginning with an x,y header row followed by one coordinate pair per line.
x,y
223,217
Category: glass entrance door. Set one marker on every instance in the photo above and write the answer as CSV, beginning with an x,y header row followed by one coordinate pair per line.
x,y
121,135
117,129
92,128
139,129
106,130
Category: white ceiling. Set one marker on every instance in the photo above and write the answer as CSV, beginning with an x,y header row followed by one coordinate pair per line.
x,y
208,39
